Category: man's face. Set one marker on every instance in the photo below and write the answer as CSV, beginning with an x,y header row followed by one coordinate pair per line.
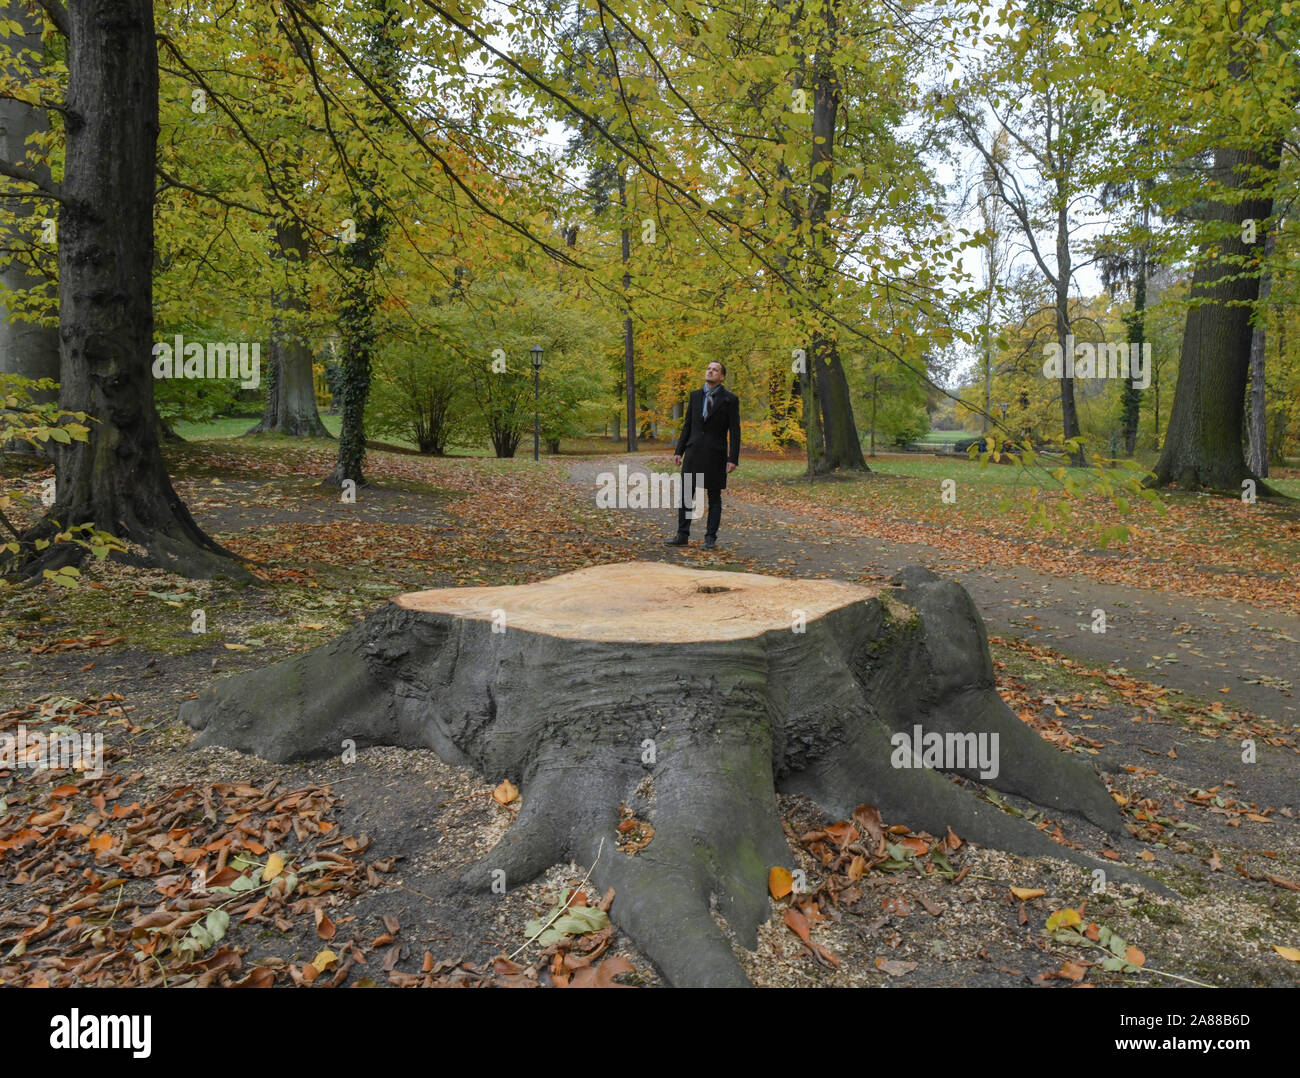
x,y
713,374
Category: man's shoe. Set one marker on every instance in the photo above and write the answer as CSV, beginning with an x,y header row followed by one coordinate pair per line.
x,y
677,540
710,541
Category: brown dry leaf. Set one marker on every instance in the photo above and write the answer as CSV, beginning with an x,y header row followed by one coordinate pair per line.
x,y
391,923
952,841
1072,971
609,969
916,845
1132,954
324,926
797,923
1026,893
1147,855
894,967
842,832
856,868
260,977
868,818
1215,863
505,793
779,881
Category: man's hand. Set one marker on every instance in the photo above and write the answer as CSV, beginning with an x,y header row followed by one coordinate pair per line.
x,y
731,467
676,459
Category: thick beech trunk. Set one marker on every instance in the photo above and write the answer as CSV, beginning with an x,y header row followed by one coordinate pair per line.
x,y
687,696
1203,447
117,479
291,389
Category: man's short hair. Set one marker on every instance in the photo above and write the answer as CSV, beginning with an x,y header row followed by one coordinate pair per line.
x,y
720,364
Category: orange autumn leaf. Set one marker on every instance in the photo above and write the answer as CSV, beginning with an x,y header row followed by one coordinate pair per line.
x,y
1026,893
506,792
797,923
1132,954
324,926
779,881
100,842
842,832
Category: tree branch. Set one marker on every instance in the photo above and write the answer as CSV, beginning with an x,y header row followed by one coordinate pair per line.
x,y
18,172
58,15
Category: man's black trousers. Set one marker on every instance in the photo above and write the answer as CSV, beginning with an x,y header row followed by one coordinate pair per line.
x,y
715,510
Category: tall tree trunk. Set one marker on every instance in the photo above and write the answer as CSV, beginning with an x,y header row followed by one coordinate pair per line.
x,y
1131,395
1258,420
364,256
291,390
115,480
1203,448
1069,412
842,447
629,354
27,348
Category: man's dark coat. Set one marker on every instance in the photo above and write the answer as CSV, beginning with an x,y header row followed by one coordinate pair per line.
x,y
703,445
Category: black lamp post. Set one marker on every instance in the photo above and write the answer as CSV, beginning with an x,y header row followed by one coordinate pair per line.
x,y
536,352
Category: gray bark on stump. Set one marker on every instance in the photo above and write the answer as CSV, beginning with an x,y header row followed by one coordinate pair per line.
x,y
594,664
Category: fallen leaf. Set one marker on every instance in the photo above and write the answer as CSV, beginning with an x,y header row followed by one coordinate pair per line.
x,y
894,967
779,881
274,866
797,923
324,926
505,793
1291,954
842,832
1132,954
1026,893
1066,918
324,960
1072,971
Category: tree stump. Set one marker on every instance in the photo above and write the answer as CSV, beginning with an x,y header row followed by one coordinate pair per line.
x,y
689,696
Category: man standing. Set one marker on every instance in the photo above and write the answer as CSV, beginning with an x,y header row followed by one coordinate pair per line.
x,y
712,421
